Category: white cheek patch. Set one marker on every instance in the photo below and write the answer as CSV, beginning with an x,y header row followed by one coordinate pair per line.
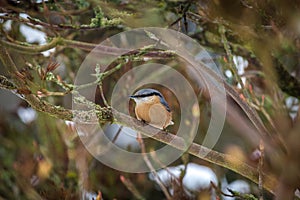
x,y
143,99
136,100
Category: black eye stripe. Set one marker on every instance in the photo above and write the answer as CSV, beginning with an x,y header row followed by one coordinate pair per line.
x,y
147,95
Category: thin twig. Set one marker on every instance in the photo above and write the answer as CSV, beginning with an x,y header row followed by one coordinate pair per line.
x,y
130,186
100,78
150,166
231,65
117,134
218,190
31,49
260,169
102,95
156,159
32,21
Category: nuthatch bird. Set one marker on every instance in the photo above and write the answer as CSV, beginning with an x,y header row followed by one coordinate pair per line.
x,y
152,108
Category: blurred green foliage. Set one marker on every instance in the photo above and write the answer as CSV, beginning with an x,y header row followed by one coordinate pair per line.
x,y
44,158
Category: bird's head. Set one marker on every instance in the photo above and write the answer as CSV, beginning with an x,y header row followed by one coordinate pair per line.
x,y
149,96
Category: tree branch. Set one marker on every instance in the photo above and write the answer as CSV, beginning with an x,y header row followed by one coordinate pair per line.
x,y
58,41
220,159
197,150
31,49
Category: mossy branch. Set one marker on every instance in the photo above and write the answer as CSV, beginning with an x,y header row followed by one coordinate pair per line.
x,y
26,48
31,49
197,150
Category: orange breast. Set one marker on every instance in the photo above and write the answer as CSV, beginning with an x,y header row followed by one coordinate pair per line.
x,y
142,112
154,114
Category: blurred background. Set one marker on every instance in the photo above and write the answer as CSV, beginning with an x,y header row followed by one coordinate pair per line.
x,y
255,46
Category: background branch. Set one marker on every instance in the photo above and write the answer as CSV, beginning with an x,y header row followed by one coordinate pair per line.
x,y
197,150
